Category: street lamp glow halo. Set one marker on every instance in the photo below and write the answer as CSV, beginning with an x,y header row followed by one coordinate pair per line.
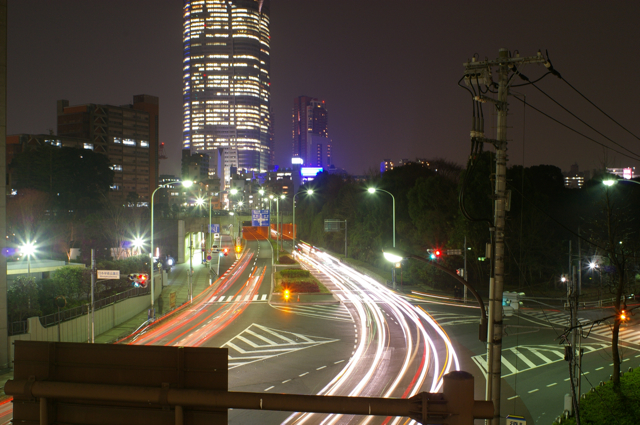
x,y
609,182
199,201
371,190
28,249
391,257
187,183
310,191
233,191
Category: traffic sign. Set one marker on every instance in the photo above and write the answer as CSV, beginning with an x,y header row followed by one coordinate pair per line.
x,y
454,252
260,218
516,420
216,235
109,274
208,258
215,228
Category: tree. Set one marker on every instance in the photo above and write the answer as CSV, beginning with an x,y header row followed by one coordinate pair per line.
x,y
614,230
22,299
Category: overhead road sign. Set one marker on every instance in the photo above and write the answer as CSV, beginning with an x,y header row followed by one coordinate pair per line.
x,y
260,218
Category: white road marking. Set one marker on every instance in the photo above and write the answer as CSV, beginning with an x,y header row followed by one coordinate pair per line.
x,y
306,373
255,297
533,391
269,388
320,368
264,297
511,398
551,385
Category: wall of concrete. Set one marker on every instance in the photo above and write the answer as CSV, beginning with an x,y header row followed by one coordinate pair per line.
x,y
76,330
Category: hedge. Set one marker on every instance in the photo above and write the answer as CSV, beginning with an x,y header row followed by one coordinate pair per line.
x,y
294,273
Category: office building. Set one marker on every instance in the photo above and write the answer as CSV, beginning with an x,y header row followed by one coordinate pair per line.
x,y
127,134
226,84
386,165
311,140
574,178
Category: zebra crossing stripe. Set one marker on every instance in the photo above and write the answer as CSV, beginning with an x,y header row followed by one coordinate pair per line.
x,y
509,366
264,297
221,298
542,356
522,357
255,297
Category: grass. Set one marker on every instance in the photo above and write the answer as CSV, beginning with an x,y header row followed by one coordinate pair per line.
x,y
606,406
294,282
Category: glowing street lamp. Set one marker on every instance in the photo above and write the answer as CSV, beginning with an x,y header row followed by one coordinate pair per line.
x,y
186,183
28,249
373,190
137,244
308,192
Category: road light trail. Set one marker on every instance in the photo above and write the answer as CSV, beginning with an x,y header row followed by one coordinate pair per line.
x,y
380,316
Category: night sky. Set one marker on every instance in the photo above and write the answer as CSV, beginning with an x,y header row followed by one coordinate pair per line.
x,y
388,71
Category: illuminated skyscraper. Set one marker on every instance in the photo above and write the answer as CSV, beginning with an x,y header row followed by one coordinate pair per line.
x,y
227,98
310,136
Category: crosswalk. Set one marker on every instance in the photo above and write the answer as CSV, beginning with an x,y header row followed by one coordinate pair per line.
x,y
257,343
523,358
237,298
628,333
335,312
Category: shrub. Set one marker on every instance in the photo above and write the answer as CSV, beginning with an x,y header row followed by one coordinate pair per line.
x,y
301,286
295,273
284,259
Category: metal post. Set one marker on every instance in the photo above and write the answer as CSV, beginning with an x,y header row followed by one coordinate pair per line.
x,y
278,227
465,269
293,231
190,267
210,239
494,347
93,284
345,239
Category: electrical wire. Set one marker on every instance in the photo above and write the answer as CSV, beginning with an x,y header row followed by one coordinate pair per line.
x,y
576,131
596,106
574,115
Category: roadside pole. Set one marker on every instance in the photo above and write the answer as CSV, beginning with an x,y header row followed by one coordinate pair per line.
x,y
93,285
465,269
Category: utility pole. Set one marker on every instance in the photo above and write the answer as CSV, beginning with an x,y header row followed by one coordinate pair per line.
x,y
93,285
190,267
477,72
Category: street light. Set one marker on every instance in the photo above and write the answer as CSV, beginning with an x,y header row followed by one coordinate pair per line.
x,y
395,255
186,183
28,249
611,182
374,190
137,243
309,192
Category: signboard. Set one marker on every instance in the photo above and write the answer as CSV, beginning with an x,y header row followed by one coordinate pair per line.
x,y
454,252
333,225
215,228
108,274
516,420
216,235
129,367
260,218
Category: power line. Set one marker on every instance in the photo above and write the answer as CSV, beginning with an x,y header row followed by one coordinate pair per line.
x,y
596,106
572,114
637,158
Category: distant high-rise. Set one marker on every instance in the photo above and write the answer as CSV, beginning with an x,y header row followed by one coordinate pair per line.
x,y
226,81
310,136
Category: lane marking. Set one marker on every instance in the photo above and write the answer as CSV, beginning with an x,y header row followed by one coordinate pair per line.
x,y
533,391
269,388
306,373
551,385
602,367
320,368
284,382
339,361
511,398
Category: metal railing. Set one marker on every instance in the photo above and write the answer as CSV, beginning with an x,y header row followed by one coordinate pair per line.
x,y
72,313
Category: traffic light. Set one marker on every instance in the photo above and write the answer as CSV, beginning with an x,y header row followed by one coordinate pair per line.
x,y
139,280
238,248
435,254
225,251
623,316
286,295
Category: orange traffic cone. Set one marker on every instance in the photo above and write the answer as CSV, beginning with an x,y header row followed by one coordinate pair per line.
x,y
298,297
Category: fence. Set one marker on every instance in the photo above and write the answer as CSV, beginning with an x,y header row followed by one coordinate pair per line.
x,y
53,319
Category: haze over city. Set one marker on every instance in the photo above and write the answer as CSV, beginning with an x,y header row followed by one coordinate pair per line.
x,y
387,72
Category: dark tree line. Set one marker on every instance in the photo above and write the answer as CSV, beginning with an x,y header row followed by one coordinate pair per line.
x,y
543,217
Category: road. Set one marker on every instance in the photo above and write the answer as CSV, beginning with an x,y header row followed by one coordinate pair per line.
x,y
533,367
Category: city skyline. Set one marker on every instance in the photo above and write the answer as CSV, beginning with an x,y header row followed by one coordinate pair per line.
x,y
392,93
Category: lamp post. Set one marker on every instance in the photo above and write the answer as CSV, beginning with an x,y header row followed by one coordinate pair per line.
x,y
611,182
309,192
28,249
395,256
186,183
374,190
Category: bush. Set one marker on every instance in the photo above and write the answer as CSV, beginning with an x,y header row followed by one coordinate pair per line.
x,y
295,273
301,286
285,259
